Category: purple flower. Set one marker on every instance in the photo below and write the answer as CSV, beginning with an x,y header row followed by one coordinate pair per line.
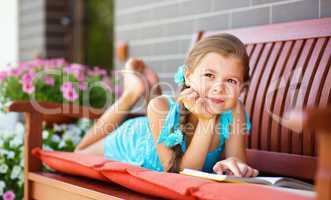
x,y
49,80
28,87
9,195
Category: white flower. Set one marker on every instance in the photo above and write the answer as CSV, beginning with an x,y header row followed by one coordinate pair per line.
x,y
45,134
15,142
22,162
10,154
7,135
59,128
56,138
20,179
2,187
1,142
15,172
2,184
3,152
3,169
62,144
76,139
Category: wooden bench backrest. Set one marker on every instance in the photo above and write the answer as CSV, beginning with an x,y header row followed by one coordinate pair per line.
x,y
289,68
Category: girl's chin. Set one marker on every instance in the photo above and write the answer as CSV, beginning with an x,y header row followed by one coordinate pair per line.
x,y
216,108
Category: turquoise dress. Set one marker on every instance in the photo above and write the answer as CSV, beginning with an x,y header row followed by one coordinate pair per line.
x,y
132,142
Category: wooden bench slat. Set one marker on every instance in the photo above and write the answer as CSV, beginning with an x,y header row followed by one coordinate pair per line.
x,y
298,69
281,94
273,89
317,82
255,99
261,109
301,97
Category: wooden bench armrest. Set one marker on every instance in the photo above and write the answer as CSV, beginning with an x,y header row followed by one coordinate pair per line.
x,y
35,113
318,119
60,110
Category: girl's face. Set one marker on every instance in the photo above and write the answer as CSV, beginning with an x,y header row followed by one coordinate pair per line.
x,y
217,78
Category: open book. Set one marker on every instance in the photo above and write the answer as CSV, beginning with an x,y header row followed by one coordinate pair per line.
x,y
273,181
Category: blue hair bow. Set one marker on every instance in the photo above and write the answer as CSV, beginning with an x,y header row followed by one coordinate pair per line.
x,y
179,76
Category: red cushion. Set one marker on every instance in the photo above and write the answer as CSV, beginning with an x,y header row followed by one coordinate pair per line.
x,y
72,163
239,191
160,184
177,186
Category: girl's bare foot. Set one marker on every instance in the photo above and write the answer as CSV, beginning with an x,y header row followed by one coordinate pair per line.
x,y
153,83
134,82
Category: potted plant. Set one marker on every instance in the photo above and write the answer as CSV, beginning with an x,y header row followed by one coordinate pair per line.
x,y
55,80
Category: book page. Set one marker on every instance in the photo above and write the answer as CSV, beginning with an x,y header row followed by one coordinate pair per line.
x,y
271,180
223,178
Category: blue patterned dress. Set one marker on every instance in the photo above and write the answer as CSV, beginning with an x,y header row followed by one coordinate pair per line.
x,y
132,142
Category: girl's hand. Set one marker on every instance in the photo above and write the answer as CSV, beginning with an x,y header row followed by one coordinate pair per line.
x,y
196,104
234,167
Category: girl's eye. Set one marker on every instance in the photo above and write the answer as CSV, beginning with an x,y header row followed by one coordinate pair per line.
x,y
209,75
232,81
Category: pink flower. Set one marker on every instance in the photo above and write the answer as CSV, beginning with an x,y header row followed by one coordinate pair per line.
x,y
66,86
15,72
9,195
3,76
49,80
82,86
77,70
97,71
28,87
70,94
28,77
68,91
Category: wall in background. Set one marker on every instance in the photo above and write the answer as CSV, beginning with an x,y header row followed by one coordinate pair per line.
x,y
8,32
8,50
160,31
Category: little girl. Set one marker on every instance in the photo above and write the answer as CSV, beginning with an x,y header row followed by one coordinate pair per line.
x,y
204,128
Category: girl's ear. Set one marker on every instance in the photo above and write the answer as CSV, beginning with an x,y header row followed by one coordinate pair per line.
x,y
187,76
243,87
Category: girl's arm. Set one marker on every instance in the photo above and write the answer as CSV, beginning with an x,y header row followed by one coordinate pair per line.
x,y
157,111
195,155
235,162
235,145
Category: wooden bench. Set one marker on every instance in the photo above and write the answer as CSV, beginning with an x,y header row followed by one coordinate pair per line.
x,y
290,66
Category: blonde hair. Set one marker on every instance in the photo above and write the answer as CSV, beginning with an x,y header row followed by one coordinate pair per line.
x,y
224,44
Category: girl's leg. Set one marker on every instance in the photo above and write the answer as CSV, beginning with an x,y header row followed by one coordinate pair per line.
x,y
134,85
138,79
153,84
